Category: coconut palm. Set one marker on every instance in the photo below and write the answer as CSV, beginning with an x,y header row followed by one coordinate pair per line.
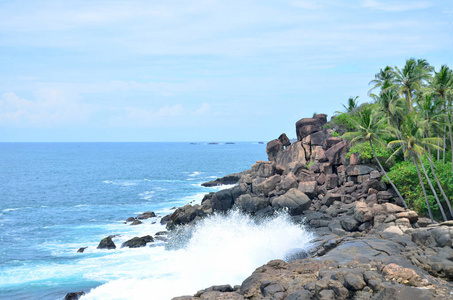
x,y
371,129
383,79
415,143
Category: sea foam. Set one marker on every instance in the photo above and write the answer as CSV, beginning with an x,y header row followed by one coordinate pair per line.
x,y
221,249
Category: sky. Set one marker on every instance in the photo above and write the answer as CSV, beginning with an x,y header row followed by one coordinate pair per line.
x,y
199,70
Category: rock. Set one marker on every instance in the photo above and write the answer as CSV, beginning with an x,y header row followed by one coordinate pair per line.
x,y
321,117
130,219
353,282
401,292
228,179
384,195
442,235
316,138
375,175
411,215
329,198
264,169
350,224
331,181
394,230
423,238
136,222
295,200
354,159
288,182
165,220
146,215
362,212
293,153
336,154
331,141
309,188
185,215
107,243
81,249
266,186
273,148
138,242
74,296
375,184
284,140
251,204
358,170
307,126
295,167
222,200
321,179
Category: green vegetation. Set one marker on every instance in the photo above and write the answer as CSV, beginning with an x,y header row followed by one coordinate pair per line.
x,y
408,127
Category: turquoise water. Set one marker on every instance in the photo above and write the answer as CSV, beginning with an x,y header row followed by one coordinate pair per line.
x,y
58,197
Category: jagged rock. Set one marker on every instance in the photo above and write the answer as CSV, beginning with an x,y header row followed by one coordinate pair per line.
x,y
362,213
288,182
273,148
375,175
329,198
138,242
358,170
375,184
107,243
350,224
316,138
165,220
264,169
74,296
266,186
222,200
354,159
185,215
331,141
295,200
284,140
336,153
384,195
309,188
331,181
321,117
307,126
293,153
295,167
146,215
251,204
81,250
130,219
228,179
443,236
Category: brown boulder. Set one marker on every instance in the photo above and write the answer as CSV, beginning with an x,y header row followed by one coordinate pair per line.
x,y
307,126
336,154
273,148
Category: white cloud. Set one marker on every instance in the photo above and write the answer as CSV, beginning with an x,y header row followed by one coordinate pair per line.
x,y
50,110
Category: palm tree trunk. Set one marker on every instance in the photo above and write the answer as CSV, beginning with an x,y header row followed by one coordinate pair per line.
x,y
386,176
451,143
440,187
432,188
423,189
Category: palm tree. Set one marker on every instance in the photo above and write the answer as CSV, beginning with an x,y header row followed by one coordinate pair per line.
x,y
352,104
415,144
442,85
410,78
383,79
371,129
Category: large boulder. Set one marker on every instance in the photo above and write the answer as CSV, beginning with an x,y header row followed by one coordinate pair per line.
x,y
294,200
228,179
293,153
288,182
355,170
266,186
107,243
138,242
146,215
251,204
273,148
317,138
222,200
331,141
309,188
185,215
284,140
337,153
307,126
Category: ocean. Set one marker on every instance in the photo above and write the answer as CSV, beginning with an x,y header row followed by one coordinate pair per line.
x,y
58,197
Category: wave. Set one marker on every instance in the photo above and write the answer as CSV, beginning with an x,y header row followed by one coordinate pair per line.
x,y
221,249
146,195
13,209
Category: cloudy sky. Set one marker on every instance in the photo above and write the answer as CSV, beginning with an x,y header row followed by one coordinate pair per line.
x,y
199,70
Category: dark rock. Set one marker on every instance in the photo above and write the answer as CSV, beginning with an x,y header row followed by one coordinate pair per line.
x,y
331,181
375,184
107,243
284,140
273,148
350,224
442,235
402,292
74,296
331,141
316,138
309,188
81,249
165,220
185,215
329,198
358,170
222,200
130,219
288,182
264,169
336,153
138,242
321,179
146,215
251,204
354,282
321,117
295,200
307,126
296,168
384,195
300,295
228,179
266,186
136,222
161,233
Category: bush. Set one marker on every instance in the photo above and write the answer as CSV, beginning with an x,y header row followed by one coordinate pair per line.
x,y
366,154
404,176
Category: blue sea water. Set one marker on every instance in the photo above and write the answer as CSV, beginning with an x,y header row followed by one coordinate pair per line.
x,y
58,197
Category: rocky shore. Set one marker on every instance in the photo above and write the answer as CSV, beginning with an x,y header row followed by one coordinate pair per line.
x,y
367,245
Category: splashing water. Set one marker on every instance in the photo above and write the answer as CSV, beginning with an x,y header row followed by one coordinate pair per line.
x,y
222,249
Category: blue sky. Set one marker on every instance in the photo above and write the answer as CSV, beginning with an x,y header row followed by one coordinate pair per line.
x,y
199,70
